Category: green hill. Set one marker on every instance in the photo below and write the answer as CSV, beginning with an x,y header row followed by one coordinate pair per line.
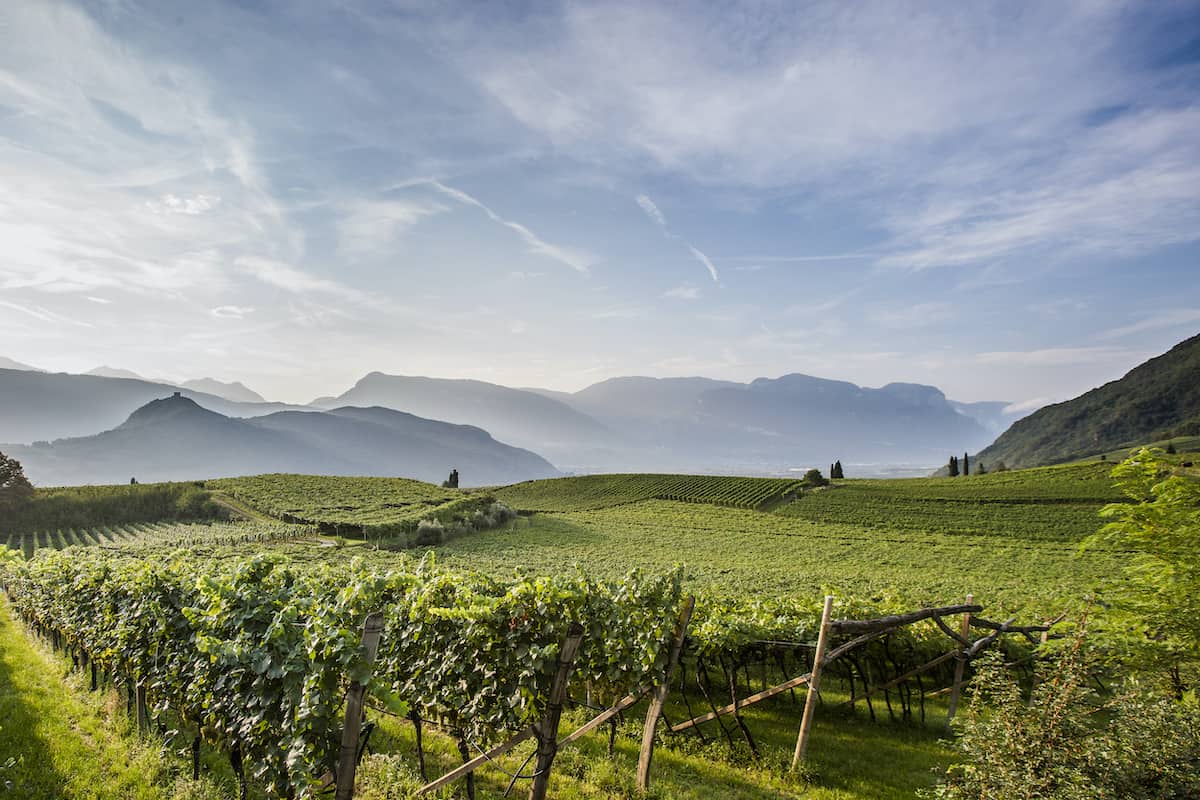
x,y
1155,400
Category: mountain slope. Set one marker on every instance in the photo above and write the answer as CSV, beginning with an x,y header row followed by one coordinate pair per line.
x,y
236,391
8,363
524,418
176,439
43,406
1152,401
105,371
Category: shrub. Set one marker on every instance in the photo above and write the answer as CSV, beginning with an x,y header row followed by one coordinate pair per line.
x,y
1069,743
430,532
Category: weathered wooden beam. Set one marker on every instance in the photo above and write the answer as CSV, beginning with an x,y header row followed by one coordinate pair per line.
x,y
814,685
1005,627
659,696
547,729
943,658
476,762
792,683
960,666
899,620
603,717
348,754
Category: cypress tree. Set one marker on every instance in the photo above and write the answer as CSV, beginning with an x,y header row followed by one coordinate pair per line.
x,y
966,464
953,466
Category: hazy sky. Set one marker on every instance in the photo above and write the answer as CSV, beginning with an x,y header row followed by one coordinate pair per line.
x,y
999,199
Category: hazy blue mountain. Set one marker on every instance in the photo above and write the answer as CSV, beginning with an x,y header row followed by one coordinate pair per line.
x,y
524,418
639,397
176,439
995,415
236,391
1155,400
105,371
8,363
41,405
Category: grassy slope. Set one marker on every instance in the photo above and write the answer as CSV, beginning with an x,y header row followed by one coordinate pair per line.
x,y
1008,538
68,743
1156,399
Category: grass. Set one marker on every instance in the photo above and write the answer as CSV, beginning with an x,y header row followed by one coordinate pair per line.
x,y
58,740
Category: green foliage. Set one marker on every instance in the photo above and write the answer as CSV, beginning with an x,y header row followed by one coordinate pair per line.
x,y
604,491
15,488
836,471
1160,524
813,478
257,653
1069,743
368,506
91,506
952,466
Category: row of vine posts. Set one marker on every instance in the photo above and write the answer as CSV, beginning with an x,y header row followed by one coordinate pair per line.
x,y
965,650
545,732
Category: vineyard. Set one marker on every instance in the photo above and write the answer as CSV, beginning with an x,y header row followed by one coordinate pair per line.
x,y
604,491
256,657
138,536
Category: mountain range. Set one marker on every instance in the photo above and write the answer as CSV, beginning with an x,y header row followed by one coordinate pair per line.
x,y
174,438
769,425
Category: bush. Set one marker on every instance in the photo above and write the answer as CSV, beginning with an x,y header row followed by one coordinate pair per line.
x,y
430,532
814,478
1071,744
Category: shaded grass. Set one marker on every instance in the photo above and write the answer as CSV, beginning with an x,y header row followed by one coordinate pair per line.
x,y
58,740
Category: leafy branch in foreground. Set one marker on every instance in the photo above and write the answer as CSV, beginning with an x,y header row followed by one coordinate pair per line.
x,y
1071,743
1160,523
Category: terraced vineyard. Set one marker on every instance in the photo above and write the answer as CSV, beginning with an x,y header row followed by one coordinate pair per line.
x,y
604,491
143,535
337,501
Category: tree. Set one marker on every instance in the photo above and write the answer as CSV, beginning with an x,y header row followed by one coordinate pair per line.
x,y
1160,524
814,478
1171,448
966,465
953,466
15,488
452,481
836,470
979,470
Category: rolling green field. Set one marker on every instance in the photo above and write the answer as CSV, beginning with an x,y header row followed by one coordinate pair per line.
x,y
1010,538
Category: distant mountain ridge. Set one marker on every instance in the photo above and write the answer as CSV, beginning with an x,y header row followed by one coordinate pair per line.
x,y
1156,399
235,391
174,438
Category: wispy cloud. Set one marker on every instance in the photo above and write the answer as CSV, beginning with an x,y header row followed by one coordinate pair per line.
x,y
682,293
174,204
578,260
1173,318
286,277
1056,356
231,312
658,218
652,211
45,315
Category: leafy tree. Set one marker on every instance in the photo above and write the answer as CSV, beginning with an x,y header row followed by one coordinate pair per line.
x,y
814,478
15,488
1160,524
836,470
1069,743
953,466
1171,448
979,470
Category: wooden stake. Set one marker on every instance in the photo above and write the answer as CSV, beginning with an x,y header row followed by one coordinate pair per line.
x,y
143,718
348,755
799,680
659,697
476,762
960,667
814,685
547,730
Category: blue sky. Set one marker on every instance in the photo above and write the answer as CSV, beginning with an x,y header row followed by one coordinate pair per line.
x,y
1000,199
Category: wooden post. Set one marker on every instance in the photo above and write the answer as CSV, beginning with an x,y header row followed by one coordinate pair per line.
x,y
547,729
143,718
659,697
348,755
1034,681
814,685
960,667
